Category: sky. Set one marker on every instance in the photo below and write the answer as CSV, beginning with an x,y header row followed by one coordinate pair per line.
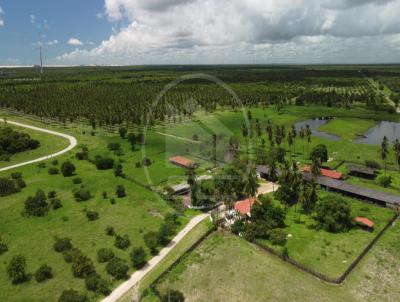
x,y
143,32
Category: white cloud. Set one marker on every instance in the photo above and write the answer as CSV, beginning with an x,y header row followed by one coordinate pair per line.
x,y
74,42
183,31
33,19
51,43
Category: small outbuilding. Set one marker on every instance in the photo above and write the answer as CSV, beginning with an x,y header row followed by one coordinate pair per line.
x,y
243,207
182,162
325,172
361,171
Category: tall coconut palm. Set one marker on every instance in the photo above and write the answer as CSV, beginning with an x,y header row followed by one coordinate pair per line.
x,y
384,151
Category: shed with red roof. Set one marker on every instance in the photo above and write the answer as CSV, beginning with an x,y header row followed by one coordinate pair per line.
x,y
243,207
364,222
182,162
325,172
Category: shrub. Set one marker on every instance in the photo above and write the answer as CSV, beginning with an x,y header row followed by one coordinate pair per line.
x,y
53,171
105,196
122,242
52,194
117,268
72,254
16,175
67,169
373,164
120,191
41,165
277,236
8,186
122,132
138,257
3,248
173,296
55,203
43,273
104,255
92,215
110,231
82,267
20,183
62,244
237,227
82,195
113,146
77,181
385,181
54,162
82,155
16,269
96,284
146,162
118,172
103,163
37,205
151,241
333,213
71,295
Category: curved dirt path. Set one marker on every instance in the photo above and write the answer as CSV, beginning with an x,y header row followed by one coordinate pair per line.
x,y
72,143
137,276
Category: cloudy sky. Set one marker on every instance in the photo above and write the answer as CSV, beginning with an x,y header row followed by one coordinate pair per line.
x,y
199,31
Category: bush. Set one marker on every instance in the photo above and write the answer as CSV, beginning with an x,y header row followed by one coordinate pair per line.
x,y
120,191
122,132
82,195
122,242
37,205
146,162
96,284
77,181
16,269
71,295
72,254
3,248
277,236
113,146
385,181
138,257
117,268
67,169
82,267
173,296
8,186
104,255
82,155
151,241
333,213
43,273
54,162
237,227
110,231
92,215
55,203
103,163
373,164
62,244
53,171
51,194
16,175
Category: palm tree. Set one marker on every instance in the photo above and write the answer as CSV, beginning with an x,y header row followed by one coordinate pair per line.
x,y
396,148
302,136
290,143
315,168
308,134
384,151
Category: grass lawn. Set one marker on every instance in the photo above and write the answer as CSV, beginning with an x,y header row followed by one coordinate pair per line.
x,y
141,211
48,144
393,189
330,253
347,128
228,268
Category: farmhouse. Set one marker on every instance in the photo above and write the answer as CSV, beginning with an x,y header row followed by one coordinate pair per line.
x,y
361,171
182,162
243,207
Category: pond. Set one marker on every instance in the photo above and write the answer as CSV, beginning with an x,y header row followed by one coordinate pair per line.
x,y
373,136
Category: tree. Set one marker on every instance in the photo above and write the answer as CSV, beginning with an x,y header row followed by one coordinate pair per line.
x,y
191,176
67,169
122,132
120,191
43,273
290,181
319,153
37,205
122,242
333,213
138,257
62,244
117,268
118,171
82,267
173,296
384,151
16,269
151,241
396,149
251,183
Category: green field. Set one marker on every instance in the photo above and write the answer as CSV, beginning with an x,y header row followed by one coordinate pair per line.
x,y
347,128
48,144
330,253
141,211
228,268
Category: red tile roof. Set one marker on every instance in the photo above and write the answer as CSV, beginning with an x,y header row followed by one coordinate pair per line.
x,y
244,206
364,221
182,161
325,172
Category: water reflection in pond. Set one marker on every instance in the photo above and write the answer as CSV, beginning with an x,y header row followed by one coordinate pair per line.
x,y
373,136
